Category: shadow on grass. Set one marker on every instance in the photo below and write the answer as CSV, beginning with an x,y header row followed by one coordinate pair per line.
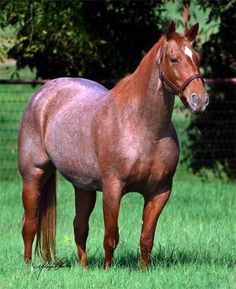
x,y
168,258
165,257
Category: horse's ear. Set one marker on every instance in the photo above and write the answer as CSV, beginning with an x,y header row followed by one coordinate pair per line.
x,y
170,30
192,32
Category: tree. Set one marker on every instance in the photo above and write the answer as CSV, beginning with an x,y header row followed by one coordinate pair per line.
x,y
50,36
99,39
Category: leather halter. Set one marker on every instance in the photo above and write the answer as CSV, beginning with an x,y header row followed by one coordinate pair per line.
x,y
175,87
180,89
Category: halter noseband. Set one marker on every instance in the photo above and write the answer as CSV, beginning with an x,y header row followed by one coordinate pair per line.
x,y
180,89
176,88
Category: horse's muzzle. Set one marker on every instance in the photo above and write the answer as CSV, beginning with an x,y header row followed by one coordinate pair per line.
x,y
197,102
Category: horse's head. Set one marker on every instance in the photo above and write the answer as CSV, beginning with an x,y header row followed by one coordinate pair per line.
x,y
179,68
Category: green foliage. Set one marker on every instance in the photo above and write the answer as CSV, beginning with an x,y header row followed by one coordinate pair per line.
x,y
96,39
7,40
197,13
51,37
92,39
3,48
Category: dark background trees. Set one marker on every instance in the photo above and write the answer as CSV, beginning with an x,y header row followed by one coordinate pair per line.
x,y
213,134
96,39
107,39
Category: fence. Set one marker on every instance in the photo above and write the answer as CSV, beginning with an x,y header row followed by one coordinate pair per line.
x,y
15,94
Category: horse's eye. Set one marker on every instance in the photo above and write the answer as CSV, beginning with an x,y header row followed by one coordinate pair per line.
x,y
174,60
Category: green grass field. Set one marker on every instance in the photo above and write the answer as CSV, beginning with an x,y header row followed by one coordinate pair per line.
x,y
194,245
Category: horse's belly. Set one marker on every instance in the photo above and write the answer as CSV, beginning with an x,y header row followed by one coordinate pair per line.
x,y
80,170
80,173
72,152
82,181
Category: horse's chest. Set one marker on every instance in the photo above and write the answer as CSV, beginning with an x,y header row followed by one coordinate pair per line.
x,y
148,167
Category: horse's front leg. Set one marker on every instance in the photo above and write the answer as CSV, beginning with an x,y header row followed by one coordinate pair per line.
x,y
112,192
153,207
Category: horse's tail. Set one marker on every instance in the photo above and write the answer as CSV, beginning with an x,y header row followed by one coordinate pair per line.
x,y
46,217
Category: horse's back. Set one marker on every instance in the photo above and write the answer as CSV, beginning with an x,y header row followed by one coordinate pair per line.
x,y
62,90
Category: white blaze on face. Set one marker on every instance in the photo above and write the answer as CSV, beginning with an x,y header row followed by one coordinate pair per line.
x,y
188,52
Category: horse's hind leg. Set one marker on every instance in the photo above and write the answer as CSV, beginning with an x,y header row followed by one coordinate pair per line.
x,y
29,228
84,203
30,196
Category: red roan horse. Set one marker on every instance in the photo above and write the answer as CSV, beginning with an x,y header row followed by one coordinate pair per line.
x,y
115,141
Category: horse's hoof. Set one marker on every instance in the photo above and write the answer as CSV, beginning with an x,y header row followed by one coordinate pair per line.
x,y
106,265
27,261
143,265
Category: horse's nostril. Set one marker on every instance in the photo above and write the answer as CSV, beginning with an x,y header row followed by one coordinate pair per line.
x,y
195,98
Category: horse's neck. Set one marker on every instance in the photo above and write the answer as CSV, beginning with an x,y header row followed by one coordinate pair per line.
x,y
156,103
142,95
